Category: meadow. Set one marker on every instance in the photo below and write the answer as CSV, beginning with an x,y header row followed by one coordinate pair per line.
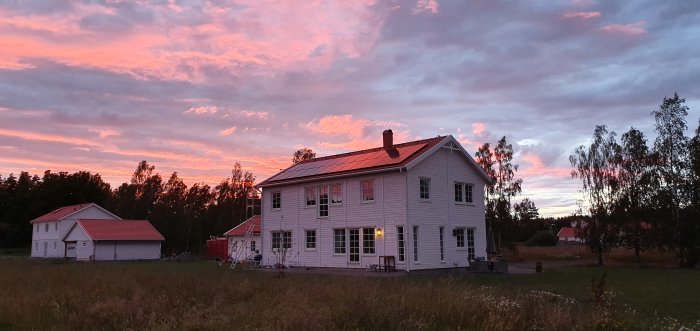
x,y
199,296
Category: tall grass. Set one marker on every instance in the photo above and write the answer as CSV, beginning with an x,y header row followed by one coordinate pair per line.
x,y
179,296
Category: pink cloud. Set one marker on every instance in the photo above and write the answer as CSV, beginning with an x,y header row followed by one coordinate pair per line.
x,y
586,15
345,132
426,6
632,29
104,133
202,110
28,135
478,128
228,131
262,115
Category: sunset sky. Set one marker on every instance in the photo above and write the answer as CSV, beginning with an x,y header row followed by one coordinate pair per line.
x,y
194,86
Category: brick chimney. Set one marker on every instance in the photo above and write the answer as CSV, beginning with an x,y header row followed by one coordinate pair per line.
x,y
388,136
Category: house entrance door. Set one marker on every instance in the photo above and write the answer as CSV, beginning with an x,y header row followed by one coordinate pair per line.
x,y
70,249
354,256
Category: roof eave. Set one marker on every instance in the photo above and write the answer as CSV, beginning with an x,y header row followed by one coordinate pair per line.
x,y
329,176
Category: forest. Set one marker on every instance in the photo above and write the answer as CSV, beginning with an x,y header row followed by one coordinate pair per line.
x,y
186,216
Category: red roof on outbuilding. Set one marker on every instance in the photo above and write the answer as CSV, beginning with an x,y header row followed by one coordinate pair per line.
x,y
567,232
60,213
240,229
120,230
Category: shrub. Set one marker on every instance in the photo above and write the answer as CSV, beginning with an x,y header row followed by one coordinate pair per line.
x,y
543,238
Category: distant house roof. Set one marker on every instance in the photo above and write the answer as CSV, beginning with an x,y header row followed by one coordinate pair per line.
x,y
368,160
240,229
66,211
566,232
119,230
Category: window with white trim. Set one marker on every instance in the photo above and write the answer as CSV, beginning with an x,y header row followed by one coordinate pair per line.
x,y
56,226
46,227
367,240
310,196
323,201
415,243
463,193
336,194
354,241
442,243
84,243
401,243
459,233
338,241
276,200
37,228
310,239
281,239
252,245
367,190
470,244
425,188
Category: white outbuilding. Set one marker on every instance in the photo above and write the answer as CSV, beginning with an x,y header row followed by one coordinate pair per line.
x,y
117,240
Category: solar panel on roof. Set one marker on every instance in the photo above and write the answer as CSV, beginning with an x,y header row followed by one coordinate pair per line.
x,y
343,163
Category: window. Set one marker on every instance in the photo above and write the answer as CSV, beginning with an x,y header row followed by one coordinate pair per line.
x,y
281,239
367,190
276,200
367,240
415,243
46,227
54,245
56,226
323,201
354,235
37,228
442,243
252,245
310,239
339,241
463,193
425,188
459,233
84,243
310,196
336,194
470,244
401,242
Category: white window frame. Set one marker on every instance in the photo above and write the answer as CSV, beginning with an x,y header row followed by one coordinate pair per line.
x,y
310,234
401,243
424,188
352,254
281,241
365,194
310,197
84,243
460,238
276,200
339,236
467,194
323,207
336,188
252,245
442,244
471,243
415,244
369,241
46,227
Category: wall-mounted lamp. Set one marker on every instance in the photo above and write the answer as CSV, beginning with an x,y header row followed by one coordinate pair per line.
x,y
379,232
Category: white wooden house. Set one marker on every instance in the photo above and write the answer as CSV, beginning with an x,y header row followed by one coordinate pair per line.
x,y
113,241
48,230
421,203
236,245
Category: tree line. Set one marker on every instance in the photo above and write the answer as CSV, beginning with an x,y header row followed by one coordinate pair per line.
x,y
185,216
643,197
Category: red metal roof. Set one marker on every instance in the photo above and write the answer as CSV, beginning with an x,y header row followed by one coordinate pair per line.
x,y
355,162
240,229
567,232
60,213
120,230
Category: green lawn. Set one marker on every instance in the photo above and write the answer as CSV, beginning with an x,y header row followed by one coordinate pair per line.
x,y
197,295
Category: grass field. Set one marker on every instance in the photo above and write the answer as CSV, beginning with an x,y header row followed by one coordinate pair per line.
x,y
197,295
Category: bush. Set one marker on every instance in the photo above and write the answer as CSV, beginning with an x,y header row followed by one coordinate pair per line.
x,y
543,238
